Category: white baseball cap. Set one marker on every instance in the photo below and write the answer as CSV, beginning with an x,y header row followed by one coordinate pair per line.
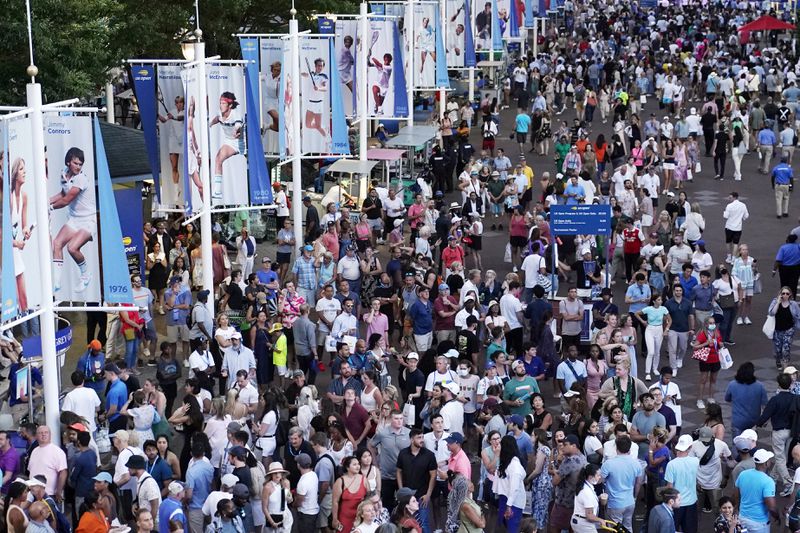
x,y
412,355
762,456
453,387
684,443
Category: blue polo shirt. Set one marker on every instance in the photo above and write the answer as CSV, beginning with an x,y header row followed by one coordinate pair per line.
x,y
117,396
782,174
688,285
422,315
703,297
620,474
638,292
170,509
159,470
766,137
198,478
789,254
679,313
575,190
682,473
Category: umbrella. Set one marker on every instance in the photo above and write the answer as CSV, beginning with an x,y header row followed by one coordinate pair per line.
x,y
766,23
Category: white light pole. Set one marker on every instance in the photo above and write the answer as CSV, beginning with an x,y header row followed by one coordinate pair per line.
x,y
50,369
297,162
196,51
110,109
363,109
410,54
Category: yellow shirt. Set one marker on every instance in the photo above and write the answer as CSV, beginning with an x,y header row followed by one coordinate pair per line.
x,y
528,171
280,351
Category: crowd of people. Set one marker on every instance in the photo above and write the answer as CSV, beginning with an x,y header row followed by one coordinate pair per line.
x,y
368,379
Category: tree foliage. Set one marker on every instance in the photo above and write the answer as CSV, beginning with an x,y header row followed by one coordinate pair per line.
x,y
78,42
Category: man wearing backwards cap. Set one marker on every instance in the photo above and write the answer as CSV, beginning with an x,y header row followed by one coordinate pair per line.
x,y
681,474
757,495
227,483
746,446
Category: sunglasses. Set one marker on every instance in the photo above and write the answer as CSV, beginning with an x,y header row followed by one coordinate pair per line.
x,y
786,293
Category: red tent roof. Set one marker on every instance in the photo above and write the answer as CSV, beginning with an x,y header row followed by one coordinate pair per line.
x,y
766,23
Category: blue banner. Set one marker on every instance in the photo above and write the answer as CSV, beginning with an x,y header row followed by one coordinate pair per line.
x,y
580,219
116,280
250,53
8,285
442,79
327,26
378,8
469,41
400,94
542,9
340,143
32,346
260,190
513,22
529,13
144,85
497,37
129,207
187,153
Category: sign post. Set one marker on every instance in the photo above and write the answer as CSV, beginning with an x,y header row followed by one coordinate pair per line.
x,y
582,220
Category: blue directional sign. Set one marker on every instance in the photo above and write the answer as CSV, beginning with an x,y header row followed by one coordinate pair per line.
x,y
580,219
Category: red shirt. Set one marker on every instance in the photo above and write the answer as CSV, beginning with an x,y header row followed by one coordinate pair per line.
x,y
356,421
444,323
451,254
633,241
414,210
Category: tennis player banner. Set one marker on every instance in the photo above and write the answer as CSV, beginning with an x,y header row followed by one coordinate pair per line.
x,y
260,190
271,68
116,279
170,117
194,171
344,42
315,96
340,143
144,85
8,284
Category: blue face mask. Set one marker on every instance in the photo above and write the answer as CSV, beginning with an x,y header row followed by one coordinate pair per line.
x,y
712,327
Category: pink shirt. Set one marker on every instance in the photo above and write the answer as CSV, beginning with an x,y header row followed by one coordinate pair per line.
x,y
380,324
48,461
414,210
459,463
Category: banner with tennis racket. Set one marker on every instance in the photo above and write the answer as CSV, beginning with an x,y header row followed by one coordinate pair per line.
x,y
170,116
344,44
271,66
424,48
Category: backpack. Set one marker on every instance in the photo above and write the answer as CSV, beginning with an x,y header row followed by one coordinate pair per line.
x,y
337,469
258,476
190,316
580,94
62,523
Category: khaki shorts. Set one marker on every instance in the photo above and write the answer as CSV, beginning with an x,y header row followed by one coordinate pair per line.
x,y
178,333
325,508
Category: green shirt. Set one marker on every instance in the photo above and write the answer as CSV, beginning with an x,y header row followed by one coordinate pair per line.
x,y
521,390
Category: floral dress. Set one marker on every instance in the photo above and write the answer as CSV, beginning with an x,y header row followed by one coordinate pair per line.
x,y
542,488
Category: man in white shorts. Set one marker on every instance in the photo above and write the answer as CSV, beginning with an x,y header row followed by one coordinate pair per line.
x,y
380,89
77,194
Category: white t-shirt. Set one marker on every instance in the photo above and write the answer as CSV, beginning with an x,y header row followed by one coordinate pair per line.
x,y
349,268
394,208
199,363
210,505
308,487
592,444
453,416
586,498
329,309
435,377
248,395
735,214
120,469
532,265
509,306
709,475
84,402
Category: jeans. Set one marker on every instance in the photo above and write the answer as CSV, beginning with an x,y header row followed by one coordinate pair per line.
x,y
686,518
512,523
131,352
424,517
753,526
719,165
780,441
728,320
623,515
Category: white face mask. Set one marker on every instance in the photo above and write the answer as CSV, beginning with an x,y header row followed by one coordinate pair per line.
x,y
463,372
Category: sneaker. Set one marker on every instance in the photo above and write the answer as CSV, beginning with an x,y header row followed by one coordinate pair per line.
x,y
747,320
647,377
739,321
152,362
730,343
674,372
786,491
139,363
656,373
707,510
701,404
186,363
500,227
680,363
86,279
729,259
711,400
514,269
494,228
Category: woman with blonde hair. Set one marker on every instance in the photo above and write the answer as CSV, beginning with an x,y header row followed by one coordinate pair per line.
x,y
365,518
308,408
694,225
658,456
216,429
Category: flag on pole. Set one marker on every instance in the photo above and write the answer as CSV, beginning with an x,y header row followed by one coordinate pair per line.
x,y
442,79
400,96
497,37
260,189
340,143
144,85
116,278
469,41
513,16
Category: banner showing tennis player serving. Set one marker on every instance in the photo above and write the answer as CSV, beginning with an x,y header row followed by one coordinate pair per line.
x,y
381,68
193,168
170,113
345,38
455,23
226,134
23,230
73,205
315,101
271,67
425,16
